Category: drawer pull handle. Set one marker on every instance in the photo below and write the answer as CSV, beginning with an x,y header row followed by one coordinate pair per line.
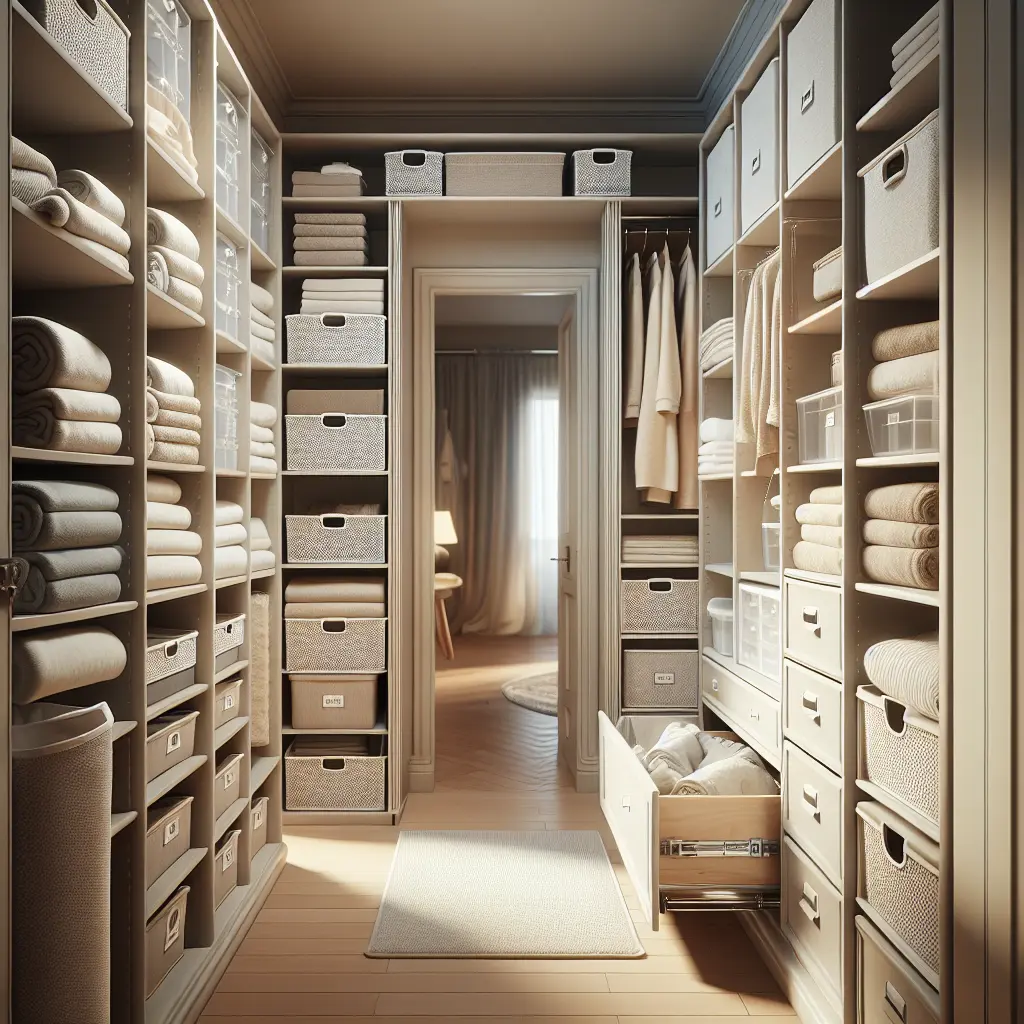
x,y
810,803
625,804
895,716
755,163
895,1004
807,98
714,685
810,616
755,715
718,207
809,905
810,705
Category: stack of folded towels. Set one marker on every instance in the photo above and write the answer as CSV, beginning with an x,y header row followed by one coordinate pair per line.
x,y
172,547
262,451
907,361
820,548
67,531
172,259
172,414
331,295
901,535
918,45
60,381
717,453
716,343
261,323
661,549
260,546
167,128
330,240
907,669
339,180
231,557
335,597
32,172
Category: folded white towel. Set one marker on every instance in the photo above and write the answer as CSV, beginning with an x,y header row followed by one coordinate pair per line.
x,y
163,376
742,774
334,284
257,464
65,211
229,533
93,193
230,561
227,512
677,754
330,218
164,229
258,433
346,191
259,317
342,306
330,230
262,414
333,258
180,266
261,298
717,430
725,448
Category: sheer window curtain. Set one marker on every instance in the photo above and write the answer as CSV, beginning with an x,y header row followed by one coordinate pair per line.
x,y
502,489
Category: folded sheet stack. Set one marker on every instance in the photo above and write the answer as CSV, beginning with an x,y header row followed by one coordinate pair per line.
x,y
262,335
32,172
331,295
337,179
906,361
820,548
260,546
172,547
172,259
60,381
173,423
67,531
330,240
262,450
231,555
717,453
916,47
335,597
907,669
660,549
168,129
716,343
901,535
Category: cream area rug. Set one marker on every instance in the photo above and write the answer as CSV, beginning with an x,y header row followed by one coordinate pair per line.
x,y
503,895
538,692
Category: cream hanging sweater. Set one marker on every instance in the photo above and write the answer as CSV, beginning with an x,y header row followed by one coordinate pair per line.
x,y
689,357
634,342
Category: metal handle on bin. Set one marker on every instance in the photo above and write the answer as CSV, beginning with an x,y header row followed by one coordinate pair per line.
x,y
807,98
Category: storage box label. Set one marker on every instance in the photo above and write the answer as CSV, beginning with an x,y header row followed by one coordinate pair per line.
x,y
171,831
334,700
664,678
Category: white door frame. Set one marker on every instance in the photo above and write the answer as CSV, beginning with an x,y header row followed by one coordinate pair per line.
x,y
582,285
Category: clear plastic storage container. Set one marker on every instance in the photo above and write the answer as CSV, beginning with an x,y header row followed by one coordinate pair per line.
x,y
260,195
760,629
820,426
771,535
230,116
904,426
169,51
721,615
225,414
229,283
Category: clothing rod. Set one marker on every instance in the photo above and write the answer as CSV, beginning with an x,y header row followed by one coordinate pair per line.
x,y
661,216
495,352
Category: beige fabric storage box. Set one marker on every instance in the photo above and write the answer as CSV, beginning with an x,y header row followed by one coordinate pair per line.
x,y
227,783
827,278
336,774
170,662
658,606
168,834
899,752
503,174
901,201
170,739
225,867
719,228
660,679
258,818
889,990
759,147
414,172
165,939
335,538
334,702
335,645
228,637
336,441
226,702
348,339
602,172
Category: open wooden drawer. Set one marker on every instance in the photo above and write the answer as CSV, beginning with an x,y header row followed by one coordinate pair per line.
x,y
656,835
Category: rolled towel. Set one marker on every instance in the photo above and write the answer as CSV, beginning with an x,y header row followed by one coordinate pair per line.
x,y
64,211
178,454
907,669
911,375
187,294
229,533
259,331
827,495
900,535
165,377
24,157
181,266
162,515
176,435
717,430
39,428
28,186
330,218
65,495
330,231
46,354
262,449
163,229
157,273
331,258
70,404
262,560
176,403
230,561
259,464
336,588
49,661
904,503
908,340
47,515
150,440
812,514
227,512
259,536
93,193
335,610
262,414
261,298
162,489
818,558
152,407
903,567
676,754
743,774
163,571
830,536
173,542
333,244
258,433
259,317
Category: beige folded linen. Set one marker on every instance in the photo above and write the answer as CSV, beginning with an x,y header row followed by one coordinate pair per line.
x,y
176,403
916,61
45,354
39,597
162,489
259,331
227,512
163,571
261,298
157,273
258,433
70,404
180,266
330,231
229,533
49,661
34,529
818,558
904,503
178,454
260,464
335,610
187,294
173,542
259,536
335,243
900,535
73,562
259,317
164,229
921,25
259,668
910,375
63,210
330,218
181,420
262,349
334,258
343,295
38,428
230,561
346,175
829,536
908,340
263,560
812,514
903,567
24,157
827,495
327,191
161,132
262,449
176,435
150,440
28,186
92,193
161,515
335,588
180,134
907,669
152,407
168,378
312,286
262,414
312,306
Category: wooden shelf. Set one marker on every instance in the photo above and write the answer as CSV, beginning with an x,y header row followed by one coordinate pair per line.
x,y
882,461
823,181
225,732
917,280
120,820
719,568
172,467
164,182
907,105
911,594
825,321
231,670
720,371
380,729
260,259
291,271
23,454
764,232
230,474
163,888
824,578
656,206
231,229
165,782
722,267
228,345
229,581
263,476
174,700
711,477
174,593
263,574
816,467
166,314
259,363
122,729
262,769
764,577
334,369
23,622
229,817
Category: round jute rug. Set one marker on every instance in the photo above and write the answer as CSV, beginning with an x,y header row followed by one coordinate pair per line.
x,y
537,692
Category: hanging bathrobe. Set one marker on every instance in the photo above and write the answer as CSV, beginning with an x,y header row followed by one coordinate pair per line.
x,y
750,349
769,406
689,358
634,323
657,443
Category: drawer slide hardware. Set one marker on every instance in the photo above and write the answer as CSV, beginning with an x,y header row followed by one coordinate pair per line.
x,y
719,848
733,898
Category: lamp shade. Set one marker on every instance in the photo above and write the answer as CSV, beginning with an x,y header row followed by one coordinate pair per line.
x,y
444,528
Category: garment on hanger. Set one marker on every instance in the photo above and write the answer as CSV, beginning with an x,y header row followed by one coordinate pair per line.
x,y
634,341
687,424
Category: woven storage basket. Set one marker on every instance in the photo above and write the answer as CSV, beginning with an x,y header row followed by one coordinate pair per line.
x,y
170,739
334,703
414,172
335,538
228,634
602,172
660,679
347,339
165,940
827,280
258,819
659,606
336,442
226,702
168,652
335,645
225,867
227,783
336,775
899,751
168,834
899,879
503,174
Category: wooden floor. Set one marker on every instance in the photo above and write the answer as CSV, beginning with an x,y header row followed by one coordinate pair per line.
x,y
302,960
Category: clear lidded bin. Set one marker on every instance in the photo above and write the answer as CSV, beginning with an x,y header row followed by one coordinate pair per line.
x,y
169,51
903,426
230,118
820,426
229,283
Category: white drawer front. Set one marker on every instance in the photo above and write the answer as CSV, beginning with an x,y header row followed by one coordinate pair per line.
x,y
759,149
812,809
721,171
748,709
814,626
888,988
812,714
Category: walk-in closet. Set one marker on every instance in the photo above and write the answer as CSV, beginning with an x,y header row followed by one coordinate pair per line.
x,y
511,513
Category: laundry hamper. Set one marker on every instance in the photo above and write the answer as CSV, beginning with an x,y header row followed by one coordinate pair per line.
x,y
227,783
335,645
225,867
258,819
165,939
659,606
343,339
336,441
170,739
335,538
226,702
61,790
168,834
339,774
334,702
170,662
602,172
414,172
503,174
660,679
899,751
228,637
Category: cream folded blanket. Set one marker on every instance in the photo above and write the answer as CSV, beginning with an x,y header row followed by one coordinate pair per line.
x,y
312,286
813,514
176,435
157,273
818,558
65,565
900,535
259,464
176,454
161,515
327,191
259,535
262,560
903,567
163,489
70,404
180,266
173,542
164,229
259,317
262,450
230,561
334,588
907,669
227,512
49,661
93,193
176,403
261,298
150,441
64,211
24,157
28,186
335,610
164,376
38,597
330,218
344,294
258,433
330,231
45,354
331,258
908,340
904,503
262,414
259,331
230,533
341,306
187,294
152,407
334,243
827,495
262,349
717,430
163,571
65,495
911,375
164,134
181,420
830,536
38,428
713,448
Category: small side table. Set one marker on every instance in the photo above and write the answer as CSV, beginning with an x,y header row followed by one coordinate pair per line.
x,y
444,584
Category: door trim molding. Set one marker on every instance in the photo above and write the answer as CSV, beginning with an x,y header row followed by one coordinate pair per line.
x,y
427,285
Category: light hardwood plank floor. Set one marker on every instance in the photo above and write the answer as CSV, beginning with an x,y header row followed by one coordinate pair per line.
x,y
497,768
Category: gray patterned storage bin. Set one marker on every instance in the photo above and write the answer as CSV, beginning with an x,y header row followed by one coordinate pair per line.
x,y
503,174
658,606
347,339
414,172
660,679
602,172
341,774
335,645
169,651
228,634
335,538
336,441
